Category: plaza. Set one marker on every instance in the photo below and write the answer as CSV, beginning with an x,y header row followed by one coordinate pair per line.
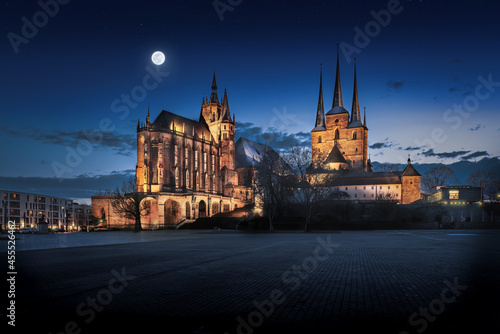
x,y
432,281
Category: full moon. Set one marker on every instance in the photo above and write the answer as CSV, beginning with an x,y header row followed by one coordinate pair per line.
x,y
158,58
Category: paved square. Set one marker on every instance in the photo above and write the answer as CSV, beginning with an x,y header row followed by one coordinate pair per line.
x,y
238,282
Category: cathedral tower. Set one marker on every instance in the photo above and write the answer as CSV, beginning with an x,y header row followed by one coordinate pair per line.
x,y
340,141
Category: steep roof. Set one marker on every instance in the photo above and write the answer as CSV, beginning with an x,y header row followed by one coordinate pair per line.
x,y
410,171
248,152
335,156
165,120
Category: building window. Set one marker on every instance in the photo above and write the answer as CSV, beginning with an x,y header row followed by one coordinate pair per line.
x,y
354,136
454,194
345,188
380,187
337,136
373,187
372,195
319,139
355,195
205,162
364,195
364,187
388,187
224,135
176,177
355,188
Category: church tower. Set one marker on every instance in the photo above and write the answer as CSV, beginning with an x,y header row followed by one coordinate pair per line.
x,y
217,117
341,140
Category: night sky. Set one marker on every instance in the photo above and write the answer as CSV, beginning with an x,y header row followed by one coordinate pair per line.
x,y
428,75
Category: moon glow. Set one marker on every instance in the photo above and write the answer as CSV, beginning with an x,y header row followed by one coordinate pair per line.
x,y
158,58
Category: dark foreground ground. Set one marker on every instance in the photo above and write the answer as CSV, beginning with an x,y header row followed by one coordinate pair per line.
x,y
239,282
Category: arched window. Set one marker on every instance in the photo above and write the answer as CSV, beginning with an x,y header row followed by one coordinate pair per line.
x,y
319,139
354,136
337,136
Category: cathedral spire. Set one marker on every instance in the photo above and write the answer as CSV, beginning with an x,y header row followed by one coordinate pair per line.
x,y
320,113
226,115
337,92
355,114
213,97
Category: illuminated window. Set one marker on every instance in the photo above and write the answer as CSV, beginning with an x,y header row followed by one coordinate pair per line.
x,y
453,194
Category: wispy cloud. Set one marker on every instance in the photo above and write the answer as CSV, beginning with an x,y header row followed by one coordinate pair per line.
x,y
477,127
395,84
386,143
277,139
81,186
123,144
475,155
443,155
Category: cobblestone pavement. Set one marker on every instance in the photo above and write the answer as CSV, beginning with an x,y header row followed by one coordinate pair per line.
x,y
238,282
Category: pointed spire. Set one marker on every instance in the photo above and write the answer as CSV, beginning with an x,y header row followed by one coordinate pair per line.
x,y
148,117
213,97
337,92
355,114
226,115
138,125
320,113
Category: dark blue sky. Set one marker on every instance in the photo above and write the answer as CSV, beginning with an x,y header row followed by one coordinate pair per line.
x,y
71,74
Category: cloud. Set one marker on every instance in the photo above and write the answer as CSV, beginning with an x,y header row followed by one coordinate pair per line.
x,y
277,139
413,148
477,127
443,155
123,144
476,154
395,84
81,186
383,144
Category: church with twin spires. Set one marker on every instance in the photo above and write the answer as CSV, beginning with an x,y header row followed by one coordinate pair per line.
x,y
340,140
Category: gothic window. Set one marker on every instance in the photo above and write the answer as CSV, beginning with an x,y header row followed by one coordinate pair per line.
x,y
176,177
225,135
176,159
337,136
186,176
186,157
354,136
205,162
196,159
319,139
213,163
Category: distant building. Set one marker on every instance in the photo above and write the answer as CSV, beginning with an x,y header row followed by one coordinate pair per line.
x,y
455,195
27,209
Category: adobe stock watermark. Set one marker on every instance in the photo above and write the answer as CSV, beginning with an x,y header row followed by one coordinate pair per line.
x,y
460,111
222,6
292,278
121,106
87,309
372,29
30,28
436,307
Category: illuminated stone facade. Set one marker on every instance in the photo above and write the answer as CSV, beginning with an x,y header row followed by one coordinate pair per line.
x,y
186,167
340,147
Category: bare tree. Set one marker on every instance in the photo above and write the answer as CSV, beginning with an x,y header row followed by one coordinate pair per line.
x,y
313,187
270,184
129,203
485,179
440,175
